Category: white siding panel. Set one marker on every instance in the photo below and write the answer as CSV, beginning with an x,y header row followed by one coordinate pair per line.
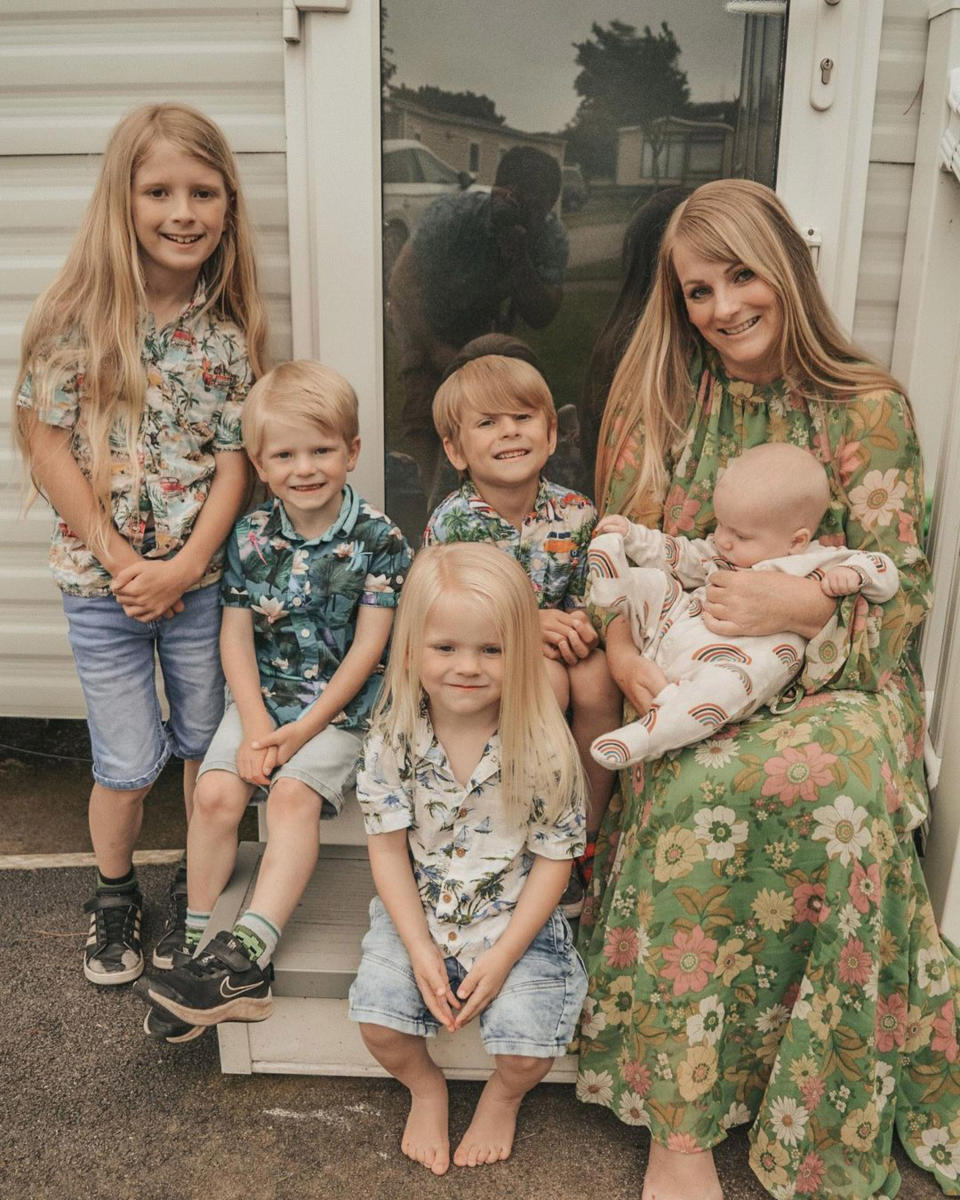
x,y
66,77
896,118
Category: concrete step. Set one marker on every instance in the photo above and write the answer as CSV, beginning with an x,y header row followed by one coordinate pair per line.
x,y
309,1032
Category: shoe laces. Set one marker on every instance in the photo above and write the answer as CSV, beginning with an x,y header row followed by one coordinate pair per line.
x,y
116,924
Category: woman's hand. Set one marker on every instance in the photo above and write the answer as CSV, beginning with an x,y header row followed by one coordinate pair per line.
x,y
757,603
639,678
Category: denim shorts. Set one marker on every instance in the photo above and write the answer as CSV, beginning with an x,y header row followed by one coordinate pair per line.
x,y
327,763
116,660
535,1013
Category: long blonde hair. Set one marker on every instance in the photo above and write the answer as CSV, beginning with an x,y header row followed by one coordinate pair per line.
x,y
87,323
538,753
725,221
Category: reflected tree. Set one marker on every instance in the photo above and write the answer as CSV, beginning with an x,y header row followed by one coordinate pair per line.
x,y
627,78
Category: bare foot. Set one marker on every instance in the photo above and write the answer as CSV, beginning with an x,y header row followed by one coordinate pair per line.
x,y
490,1136
675,1176
425,1137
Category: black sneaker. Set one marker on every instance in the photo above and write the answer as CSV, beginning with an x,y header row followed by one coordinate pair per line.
x,y
220,984
113,954
163,1028
174,927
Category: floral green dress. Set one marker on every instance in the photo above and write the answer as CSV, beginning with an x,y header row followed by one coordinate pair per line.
x,y
760,943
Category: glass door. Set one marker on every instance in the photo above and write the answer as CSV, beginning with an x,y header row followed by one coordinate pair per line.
x,y
529,163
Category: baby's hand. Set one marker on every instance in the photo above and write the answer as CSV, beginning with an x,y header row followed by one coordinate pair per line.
x,y
482,984
430,973
841,581
567,636
613,523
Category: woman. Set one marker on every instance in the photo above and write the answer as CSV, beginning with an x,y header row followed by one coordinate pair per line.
x,y
761,947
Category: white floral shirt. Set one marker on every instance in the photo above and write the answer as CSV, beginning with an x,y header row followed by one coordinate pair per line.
x,y
470,858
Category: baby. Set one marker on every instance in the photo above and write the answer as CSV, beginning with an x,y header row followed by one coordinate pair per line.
x,y
767,504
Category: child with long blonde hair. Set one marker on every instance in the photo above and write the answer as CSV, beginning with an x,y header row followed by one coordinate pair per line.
x,y
473,799
135,363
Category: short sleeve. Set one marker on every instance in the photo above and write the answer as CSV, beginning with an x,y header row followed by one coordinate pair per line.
x,y
229,435
233,585
63,406
876,455
563,837
551,251
383,790
388,565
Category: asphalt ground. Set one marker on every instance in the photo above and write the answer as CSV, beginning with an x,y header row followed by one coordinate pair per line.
x,y
91,1109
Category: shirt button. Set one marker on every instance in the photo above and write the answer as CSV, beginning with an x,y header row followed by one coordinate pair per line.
x,y
451,937
446,897
304,632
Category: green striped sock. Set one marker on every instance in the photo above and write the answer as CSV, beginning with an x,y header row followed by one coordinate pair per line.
x,y
196,924
257,936
123,883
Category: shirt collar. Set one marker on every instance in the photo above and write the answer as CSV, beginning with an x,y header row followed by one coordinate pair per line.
x,y
186,315
279,522
426,746
542,504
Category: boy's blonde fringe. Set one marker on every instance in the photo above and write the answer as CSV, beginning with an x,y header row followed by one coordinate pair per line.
x,y
538,753
87,323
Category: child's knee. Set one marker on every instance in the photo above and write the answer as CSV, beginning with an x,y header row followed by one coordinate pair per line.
x,y
219,796
592,687
293,800
558,674
523,1067
378,1039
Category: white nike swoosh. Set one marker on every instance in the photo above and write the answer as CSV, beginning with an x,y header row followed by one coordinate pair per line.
x,y
227,991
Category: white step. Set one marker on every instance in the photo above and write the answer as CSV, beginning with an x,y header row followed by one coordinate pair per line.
x,y
309,1032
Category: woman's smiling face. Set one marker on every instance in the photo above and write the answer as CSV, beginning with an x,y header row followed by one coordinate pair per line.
x,y
735,311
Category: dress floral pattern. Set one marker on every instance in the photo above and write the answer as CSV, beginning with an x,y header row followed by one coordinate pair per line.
x,y
760,943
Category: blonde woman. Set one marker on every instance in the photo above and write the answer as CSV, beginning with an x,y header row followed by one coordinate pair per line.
x,y
761,947
473,800
135,364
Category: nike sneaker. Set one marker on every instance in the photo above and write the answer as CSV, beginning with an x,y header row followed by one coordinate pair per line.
x,y
219,984
113,954
159,1024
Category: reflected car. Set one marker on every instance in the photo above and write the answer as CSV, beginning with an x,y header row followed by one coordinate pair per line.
x,y
573,194
413,177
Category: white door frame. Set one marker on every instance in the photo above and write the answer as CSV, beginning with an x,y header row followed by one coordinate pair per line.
x,y
332,71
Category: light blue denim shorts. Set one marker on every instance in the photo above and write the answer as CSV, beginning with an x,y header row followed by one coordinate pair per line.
x,y
327,763
116,661
535,1013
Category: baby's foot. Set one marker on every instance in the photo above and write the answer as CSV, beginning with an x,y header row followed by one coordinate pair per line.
x,y
675,1176
621,747
490,1136
425,1137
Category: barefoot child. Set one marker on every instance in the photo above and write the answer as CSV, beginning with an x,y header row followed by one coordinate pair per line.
x,y
309,592
472,796
499,426
768,504
136,361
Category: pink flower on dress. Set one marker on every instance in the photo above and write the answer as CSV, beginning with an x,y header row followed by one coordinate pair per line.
x,y
809,1175
621,946
811,1091
891,1022
907,528
855,965
798,773
809,903
683,1143
846,456
864,886
689,961
679,510
945,1033
636,1075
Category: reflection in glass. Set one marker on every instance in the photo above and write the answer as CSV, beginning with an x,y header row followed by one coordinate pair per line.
x,y
611,109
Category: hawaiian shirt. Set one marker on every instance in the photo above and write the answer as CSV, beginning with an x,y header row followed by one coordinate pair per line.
x,y
551,546
464,278
197,377
304,594
470,857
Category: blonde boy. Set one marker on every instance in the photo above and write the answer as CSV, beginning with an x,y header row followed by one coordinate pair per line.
x,y
496,418
309,592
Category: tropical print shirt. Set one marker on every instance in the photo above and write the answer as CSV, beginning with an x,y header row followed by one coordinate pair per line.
x,y
470,857
197,377
304,595
551,545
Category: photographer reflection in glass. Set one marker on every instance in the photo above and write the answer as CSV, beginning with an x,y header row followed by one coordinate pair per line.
x,y
476,261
